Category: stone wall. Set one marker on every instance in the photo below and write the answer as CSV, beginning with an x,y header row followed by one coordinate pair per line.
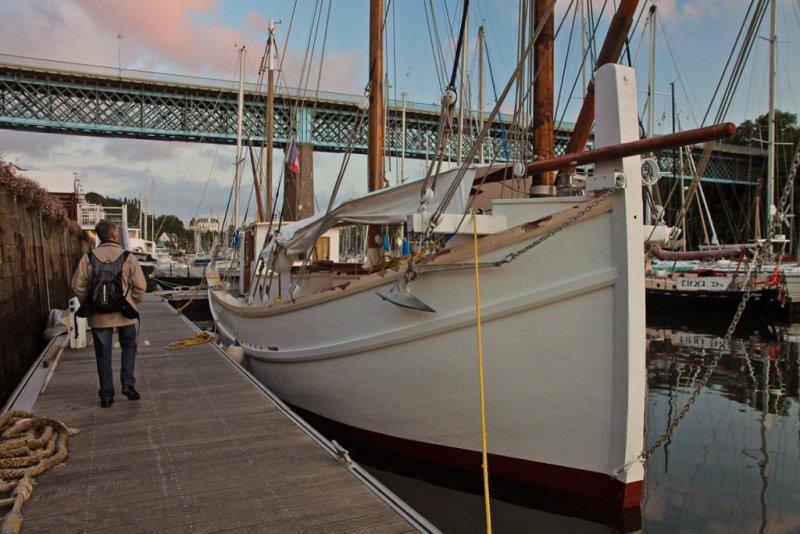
x,y
37,259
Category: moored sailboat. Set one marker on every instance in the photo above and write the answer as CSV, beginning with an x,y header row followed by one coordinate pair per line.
x,y
565,376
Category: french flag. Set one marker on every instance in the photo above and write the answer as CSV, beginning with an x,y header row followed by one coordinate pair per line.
x,y
293,158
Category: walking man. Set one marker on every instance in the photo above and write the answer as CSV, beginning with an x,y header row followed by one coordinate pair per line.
x,y
108,283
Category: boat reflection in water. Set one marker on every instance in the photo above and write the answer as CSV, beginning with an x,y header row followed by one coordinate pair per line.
x,y
733,464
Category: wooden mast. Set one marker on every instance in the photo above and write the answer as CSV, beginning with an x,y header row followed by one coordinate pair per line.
x,y
612,48
375,140
542,184
270,64
375,146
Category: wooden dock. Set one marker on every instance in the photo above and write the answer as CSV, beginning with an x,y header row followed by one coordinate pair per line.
x,y
206,449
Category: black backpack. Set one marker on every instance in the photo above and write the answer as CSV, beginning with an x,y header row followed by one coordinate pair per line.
x,y
106,295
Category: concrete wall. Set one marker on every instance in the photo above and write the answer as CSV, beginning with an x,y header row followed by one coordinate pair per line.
x,y
37,259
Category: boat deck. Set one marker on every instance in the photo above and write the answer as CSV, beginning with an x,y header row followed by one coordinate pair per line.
x,y
206,449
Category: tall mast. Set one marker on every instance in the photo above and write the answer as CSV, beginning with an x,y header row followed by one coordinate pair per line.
x,y
583,43
542,184
651,75
375,145
771,125
462,91
481,37
270,63
403,142
239,114
651,116
375,139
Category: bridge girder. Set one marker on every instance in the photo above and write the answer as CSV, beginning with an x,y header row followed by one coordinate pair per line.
x,y
66,102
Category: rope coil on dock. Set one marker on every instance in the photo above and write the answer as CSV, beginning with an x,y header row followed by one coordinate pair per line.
x,y
29,446
197,339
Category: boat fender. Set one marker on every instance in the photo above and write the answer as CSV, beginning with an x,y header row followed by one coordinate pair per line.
x,y
236,352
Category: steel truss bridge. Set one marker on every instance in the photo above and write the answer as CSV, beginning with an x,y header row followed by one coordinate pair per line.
x,y
68,98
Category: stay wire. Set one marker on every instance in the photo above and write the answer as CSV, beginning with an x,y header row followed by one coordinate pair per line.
x,y
459,44
586,53
740,64
487,125
438,62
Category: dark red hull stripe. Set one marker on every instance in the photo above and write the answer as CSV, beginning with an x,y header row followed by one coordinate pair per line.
x,y
595,486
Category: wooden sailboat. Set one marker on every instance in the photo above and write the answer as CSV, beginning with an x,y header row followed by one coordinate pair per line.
x,y
714,281
390,357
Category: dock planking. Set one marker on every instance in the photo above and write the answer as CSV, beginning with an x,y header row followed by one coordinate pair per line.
x,y
204,450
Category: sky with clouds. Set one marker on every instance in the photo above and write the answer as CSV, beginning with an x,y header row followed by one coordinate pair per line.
x,y
199,38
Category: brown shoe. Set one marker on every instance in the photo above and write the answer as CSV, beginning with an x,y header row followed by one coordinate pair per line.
x,y
106,403
131,393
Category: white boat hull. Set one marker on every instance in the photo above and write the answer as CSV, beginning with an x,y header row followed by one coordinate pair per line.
x,y
563,352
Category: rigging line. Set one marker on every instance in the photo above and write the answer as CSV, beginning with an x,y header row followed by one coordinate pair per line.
x,y
569,47
205,187
494,90
741,62
681,72
731,55
484,449
224,217
262,265
734,82
456,183
459,43
521,30
358,122
728,61
593,41
250,199
428,21
444,129
307,59
493,33
288,33
396,80
324,45
585,55
641,44
308,56
447,20
642,10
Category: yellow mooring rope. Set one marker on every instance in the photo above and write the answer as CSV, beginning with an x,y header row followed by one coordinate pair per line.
x,y
197,339
485,463
29,445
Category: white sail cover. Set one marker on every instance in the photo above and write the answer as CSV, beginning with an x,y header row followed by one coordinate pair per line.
x,y
387,206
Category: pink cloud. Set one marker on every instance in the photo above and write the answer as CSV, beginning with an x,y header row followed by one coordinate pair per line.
x,y
164,32
163,24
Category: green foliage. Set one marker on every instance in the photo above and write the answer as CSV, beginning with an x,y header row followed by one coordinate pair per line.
x,y
754,133
169,224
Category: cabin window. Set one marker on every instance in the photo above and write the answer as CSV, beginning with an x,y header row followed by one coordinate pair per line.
x,y
322,249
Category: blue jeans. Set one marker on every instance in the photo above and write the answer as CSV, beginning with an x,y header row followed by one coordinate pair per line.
x,y
103,343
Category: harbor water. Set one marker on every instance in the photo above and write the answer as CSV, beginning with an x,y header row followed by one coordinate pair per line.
x,y
732,464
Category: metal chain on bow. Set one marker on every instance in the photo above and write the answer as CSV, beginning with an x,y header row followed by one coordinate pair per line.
x,y
761,250
511,256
